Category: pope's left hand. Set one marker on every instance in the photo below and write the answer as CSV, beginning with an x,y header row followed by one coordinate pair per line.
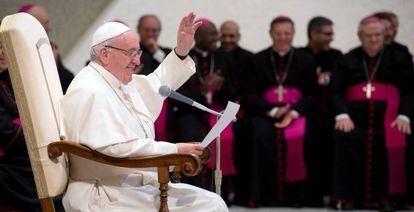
x,y
402,125
185,37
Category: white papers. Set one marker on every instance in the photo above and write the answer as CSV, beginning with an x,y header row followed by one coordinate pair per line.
x,y
228,116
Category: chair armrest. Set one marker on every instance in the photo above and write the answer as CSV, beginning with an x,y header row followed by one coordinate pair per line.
x,y
190,164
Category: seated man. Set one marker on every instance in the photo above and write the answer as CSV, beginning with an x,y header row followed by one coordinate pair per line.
x,y
282,89
112,111
372,103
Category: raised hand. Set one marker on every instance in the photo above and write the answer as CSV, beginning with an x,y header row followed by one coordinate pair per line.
x,y
185,36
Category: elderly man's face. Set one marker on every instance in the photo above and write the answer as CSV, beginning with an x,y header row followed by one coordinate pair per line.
x,y
372,37
282,36
207,37
119,62
3,64
149,29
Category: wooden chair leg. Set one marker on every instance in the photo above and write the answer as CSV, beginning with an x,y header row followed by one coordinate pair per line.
x,y
47,205
163,179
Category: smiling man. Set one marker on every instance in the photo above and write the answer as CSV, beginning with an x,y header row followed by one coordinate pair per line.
x,y
372,102
112,110
285,79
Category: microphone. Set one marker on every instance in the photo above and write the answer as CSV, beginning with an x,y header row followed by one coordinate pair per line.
x,y
166,91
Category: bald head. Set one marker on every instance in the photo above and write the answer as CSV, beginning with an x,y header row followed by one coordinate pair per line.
x,y
230,35
149,28
41,15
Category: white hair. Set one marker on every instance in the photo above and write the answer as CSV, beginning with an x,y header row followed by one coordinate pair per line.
x,y
362,24
94,52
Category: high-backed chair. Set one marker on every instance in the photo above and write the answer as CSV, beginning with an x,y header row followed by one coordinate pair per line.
x,y
37,90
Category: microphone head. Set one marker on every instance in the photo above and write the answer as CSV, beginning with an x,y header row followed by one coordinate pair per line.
x,y
164,91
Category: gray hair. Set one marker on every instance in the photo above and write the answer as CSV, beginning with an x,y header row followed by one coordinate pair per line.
x,y
94,52
369,20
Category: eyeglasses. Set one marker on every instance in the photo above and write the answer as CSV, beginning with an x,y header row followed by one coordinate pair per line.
x,y
130,53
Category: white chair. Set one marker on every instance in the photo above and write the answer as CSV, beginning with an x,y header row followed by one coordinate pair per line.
x,y
37,90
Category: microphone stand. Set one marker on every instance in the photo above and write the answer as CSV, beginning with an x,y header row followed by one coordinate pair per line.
x,y
217,172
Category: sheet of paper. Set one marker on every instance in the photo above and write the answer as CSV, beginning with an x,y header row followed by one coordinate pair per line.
x,y
228,116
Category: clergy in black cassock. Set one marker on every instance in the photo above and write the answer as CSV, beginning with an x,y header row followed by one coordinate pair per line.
x,y
210,86
149,28
283,85
243,61
373,102
319,153
390,22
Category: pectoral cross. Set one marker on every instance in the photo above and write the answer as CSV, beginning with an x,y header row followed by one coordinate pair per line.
x,y
280,91
368,90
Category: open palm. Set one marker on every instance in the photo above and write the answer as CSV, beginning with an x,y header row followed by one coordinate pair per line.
x,y
186,31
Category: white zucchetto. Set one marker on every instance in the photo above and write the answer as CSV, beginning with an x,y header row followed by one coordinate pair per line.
x,y
107,31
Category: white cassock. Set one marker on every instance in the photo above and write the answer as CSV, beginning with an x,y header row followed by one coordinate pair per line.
x,y
105,115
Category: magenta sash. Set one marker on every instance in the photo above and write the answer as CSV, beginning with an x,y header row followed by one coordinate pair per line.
x,y
395,140
17,122
294,134
160,124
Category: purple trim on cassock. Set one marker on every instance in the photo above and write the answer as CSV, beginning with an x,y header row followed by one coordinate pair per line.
x,y
395,140
17,122
160,124
294,134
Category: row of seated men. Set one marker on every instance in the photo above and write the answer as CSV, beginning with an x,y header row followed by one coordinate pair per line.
x,y
314,123
284,150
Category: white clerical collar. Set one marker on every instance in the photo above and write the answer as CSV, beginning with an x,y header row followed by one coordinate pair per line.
x,y
108,76
282,53
203,53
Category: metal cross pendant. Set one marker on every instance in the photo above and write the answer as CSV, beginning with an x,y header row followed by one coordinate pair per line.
x,y
280,91
368,90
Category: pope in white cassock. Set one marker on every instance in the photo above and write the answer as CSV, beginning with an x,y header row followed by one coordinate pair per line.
x,y
111,110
